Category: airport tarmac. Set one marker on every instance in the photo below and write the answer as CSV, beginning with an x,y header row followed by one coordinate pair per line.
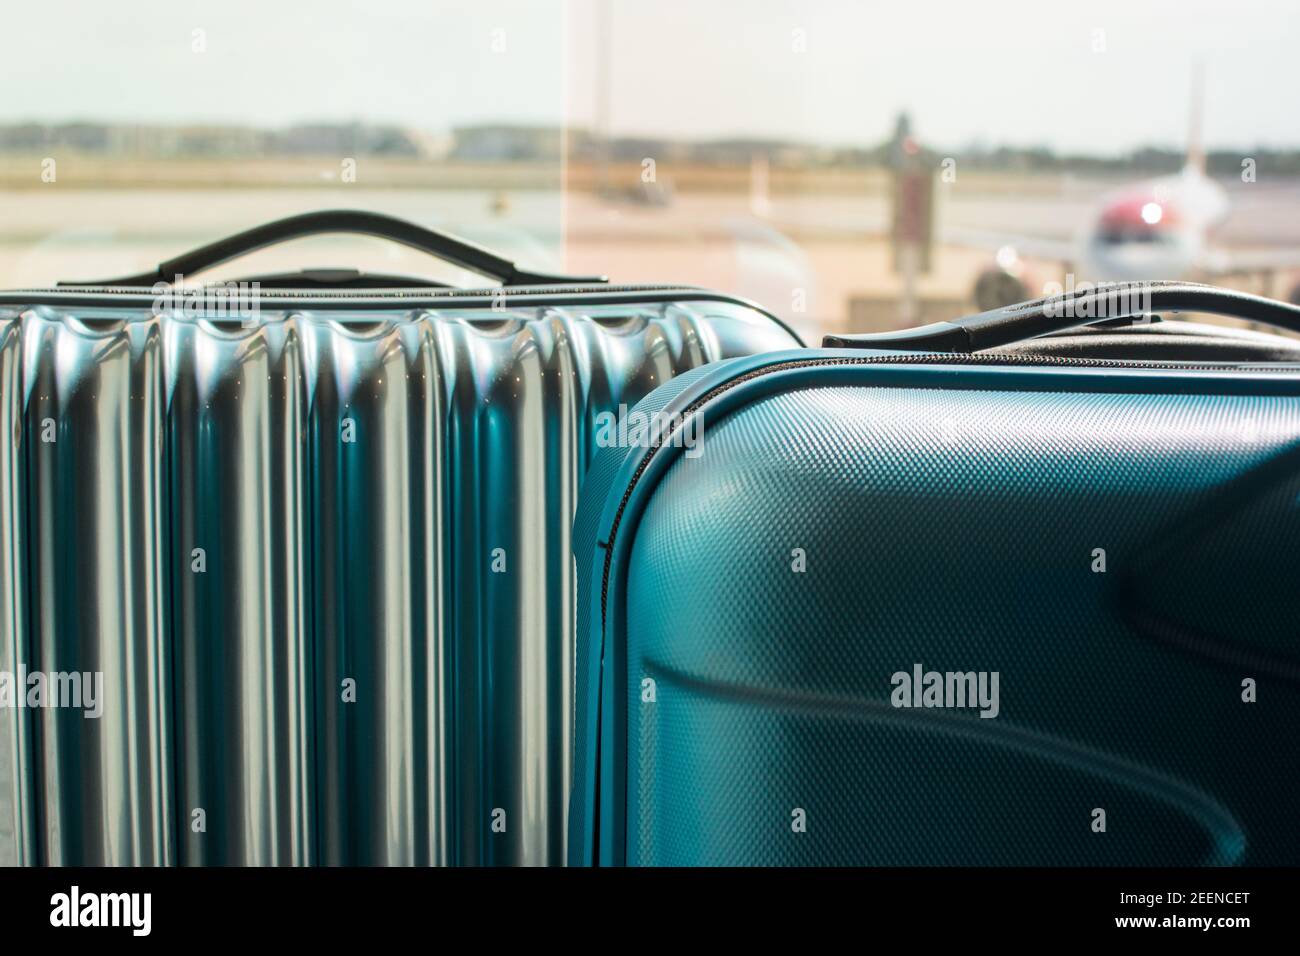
x,y
812,258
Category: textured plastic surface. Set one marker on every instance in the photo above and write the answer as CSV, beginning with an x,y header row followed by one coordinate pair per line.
x,y
955,526
230,523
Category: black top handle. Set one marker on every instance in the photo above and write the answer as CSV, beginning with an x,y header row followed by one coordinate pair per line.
x,y
449,248
1082,306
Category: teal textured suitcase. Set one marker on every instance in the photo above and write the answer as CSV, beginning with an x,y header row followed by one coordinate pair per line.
x,y
318,551
983,593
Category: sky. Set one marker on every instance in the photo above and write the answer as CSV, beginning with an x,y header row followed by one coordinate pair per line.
x,y
1100,77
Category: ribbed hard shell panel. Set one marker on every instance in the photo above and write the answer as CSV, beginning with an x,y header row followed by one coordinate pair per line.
x,y
323,563
92,431
17,830
237,565
378,522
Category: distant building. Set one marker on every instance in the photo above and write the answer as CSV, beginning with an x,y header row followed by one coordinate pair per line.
x,y
351,139
210,141
504,143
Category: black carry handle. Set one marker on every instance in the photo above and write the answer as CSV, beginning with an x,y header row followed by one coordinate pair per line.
x,y
445,247
1014,323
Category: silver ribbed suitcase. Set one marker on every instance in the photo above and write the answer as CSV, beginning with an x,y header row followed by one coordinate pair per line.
x,y
320,557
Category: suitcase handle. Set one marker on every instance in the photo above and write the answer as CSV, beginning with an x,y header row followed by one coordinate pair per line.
x,y
1026,320
438,244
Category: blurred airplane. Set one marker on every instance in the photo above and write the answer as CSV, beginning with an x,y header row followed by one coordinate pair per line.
x,y
1155,229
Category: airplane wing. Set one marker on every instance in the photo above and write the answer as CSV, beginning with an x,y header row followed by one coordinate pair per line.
x,y
1220,262
1026,247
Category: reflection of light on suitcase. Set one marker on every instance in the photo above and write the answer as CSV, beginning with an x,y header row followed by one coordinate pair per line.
x,y
321,558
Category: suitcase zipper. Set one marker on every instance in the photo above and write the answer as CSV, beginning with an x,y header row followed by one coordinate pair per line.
x,y
907,358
